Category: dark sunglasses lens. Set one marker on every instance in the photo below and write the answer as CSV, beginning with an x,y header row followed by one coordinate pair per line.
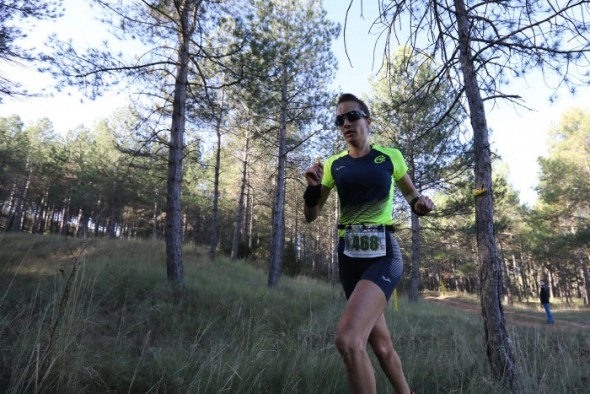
x,y
352,116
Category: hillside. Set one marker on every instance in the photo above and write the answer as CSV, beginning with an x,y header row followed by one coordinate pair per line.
x,y
99,316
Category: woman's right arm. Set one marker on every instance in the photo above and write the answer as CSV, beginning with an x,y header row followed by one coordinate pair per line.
x,y
313,176
311,213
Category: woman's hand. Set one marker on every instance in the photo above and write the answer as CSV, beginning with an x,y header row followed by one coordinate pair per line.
x,y
314,174
424,205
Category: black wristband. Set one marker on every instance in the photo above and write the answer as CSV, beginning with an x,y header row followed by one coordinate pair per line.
x,y
312,195
413,206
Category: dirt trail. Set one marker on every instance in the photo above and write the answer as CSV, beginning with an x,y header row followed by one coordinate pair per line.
x,y
512,317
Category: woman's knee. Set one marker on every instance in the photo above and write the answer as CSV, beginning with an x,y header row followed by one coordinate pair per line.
x,y
383,348
349,343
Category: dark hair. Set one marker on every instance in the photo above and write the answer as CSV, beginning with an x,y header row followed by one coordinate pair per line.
x,y
351,97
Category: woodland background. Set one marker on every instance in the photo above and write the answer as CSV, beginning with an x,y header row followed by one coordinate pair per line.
x,y
87,185
229,101
259,110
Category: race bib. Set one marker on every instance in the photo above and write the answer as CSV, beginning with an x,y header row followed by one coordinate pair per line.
x,y
364,241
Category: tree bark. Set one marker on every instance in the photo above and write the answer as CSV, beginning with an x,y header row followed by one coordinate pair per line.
x,y
19,211
249,218
83,221
237,236
43,214
114,214
174,265
63,223
155,215
515,270
215,212
524,275
505,275
11,206
586,280
416,244
499,348
278,209
38,215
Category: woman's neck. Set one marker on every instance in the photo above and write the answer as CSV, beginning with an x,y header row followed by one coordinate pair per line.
x,y
360,151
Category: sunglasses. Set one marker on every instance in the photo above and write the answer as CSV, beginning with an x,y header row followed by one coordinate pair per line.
x,y
351,116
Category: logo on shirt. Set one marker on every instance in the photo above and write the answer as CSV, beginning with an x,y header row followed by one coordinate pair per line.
x,y
339,168
379,159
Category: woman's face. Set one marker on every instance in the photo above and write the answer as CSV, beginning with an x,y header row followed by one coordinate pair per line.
x,y
355,133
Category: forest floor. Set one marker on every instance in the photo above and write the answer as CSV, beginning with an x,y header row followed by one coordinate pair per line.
x,y
514,316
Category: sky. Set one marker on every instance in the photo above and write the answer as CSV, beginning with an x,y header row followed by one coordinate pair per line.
x,y
518,135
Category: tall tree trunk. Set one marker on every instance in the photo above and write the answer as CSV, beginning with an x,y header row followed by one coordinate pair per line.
x,y
11,208
96,230
416,243
174,266
499,348
295,236
45,213
184,226
515,270
96,216
505,275
524,274
476,278
63,223
456,282
197,226
40,215
155,215
114,216
278,209
23,227
215,212
564,283
585,280
37,212
51,220
86,224
237,236
19,211
553,284
249,218
78,224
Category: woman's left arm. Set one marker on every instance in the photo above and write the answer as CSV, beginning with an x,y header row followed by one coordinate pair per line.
x,y
421,205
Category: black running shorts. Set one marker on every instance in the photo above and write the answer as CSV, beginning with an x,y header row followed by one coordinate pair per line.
x,y
385,272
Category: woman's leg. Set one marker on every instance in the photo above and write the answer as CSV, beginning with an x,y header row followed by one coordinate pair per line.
x,y
382,346
363,309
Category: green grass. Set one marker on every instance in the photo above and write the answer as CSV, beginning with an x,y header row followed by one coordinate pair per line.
x,y
100,317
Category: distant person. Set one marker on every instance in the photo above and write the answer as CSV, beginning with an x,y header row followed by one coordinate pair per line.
x,y
369,258
544,297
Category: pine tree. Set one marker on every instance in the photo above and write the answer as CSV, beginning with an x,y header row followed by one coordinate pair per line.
x,y
14,16
480,47
289,71
175,37
425,126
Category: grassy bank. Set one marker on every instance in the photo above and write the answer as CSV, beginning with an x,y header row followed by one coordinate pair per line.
x,y
100,317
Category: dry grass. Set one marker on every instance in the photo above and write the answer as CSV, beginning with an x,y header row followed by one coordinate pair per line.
x,y
99,316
